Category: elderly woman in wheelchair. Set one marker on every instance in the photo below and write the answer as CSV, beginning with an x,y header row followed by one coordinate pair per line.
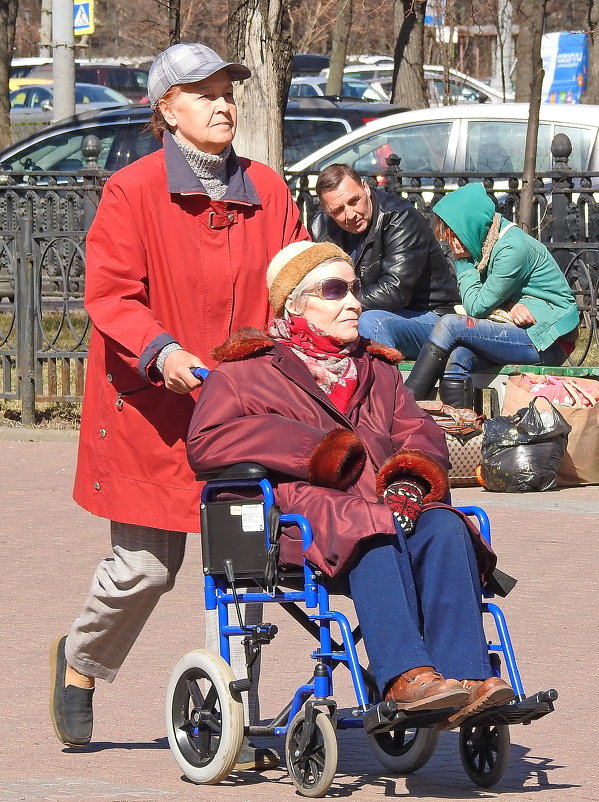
x,y
347,447
327,414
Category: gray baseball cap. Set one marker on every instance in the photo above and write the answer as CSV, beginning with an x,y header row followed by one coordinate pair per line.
x,y
185,63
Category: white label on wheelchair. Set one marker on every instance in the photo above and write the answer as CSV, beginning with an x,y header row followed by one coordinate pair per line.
x,y
252,516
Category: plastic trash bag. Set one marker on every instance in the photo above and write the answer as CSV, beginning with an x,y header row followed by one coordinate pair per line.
x,y
522,452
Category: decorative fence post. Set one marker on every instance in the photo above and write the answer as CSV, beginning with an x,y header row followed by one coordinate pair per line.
x,y
25,318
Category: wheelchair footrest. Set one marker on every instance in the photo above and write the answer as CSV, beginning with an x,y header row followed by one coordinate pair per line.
x,y
386,716
522,712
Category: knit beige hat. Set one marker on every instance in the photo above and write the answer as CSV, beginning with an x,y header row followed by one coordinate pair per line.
x,y
295,261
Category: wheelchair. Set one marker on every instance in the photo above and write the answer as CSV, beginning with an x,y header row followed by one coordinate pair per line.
x,y
204,710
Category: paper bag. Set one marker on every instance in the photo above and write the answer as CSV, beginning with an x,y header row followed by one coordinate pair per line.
x,y
580,465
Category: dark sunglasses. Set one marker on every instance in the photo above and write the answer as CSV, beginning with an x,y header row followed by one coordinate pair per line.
x,y
334,289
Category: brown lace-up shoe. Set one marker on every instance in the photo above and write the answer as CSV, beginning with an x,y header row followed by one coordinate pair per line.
x,y
483,694
423,688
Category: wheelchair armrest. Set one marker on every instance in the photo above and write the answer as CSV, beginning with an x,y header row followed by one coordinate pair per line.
x,y
240,470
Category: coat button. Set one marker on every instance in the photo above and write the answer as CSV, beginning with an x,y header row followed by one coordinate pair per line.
x,y
97,486
109,377
102,432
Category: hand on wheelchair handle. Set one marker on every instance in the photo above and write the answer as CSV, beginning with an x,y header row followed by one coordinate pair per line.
x,y
200,373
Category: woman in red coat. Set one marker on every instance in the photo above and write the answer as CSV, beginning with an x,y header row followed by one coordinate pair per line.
x,y
176,259
326,412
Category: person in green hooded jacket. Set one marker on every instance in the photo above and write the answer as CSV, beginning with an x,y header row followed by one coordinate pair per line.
x,y
517,303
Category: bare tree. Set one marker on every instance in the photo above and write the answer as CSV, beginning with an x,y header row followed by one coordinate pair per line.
x,y
591,93
532,132
259,37
339,50
8,19
525,13
409,87
174,21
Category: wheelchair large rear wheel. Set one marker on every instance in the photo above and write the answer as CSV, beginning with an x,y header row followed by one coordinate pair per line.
x,y
311,767
403,750
204,721
485,751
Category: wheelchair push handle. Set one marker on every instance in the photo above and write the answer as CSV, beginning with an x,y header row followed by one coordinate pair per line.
x,y
200,373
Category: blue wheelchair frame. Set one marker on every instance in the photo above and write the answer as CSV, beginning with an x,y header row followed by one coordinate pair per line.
x,y
315,596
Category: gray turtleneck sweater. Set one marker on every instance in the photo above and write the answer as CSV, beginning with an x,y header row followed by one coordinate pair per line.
x,y
210,168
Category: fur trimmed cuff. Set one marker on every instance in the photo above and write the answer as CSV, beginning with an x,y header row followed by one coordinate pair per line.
x,y
417,464
338,460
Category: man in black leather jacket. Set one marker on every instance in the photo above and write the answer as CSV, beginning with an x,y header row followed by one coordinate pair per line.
x,y
407,282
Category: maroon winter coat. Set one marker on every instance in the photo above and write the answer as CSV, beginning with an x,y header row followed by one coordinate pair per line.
x,y
262,404
166,263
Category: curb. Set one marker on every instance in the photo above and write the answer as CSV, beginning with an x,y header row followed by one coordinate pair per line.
x,y
38,435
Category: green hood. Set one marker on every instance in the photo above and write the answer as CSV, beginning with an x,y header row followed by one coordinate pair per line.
x,y
468,211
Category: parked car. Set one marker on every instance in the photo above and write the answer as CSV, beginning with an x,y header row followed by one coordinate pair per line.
x,y
308,63
124,78
316,86
485,139
308,124
20,67
462,87
35,103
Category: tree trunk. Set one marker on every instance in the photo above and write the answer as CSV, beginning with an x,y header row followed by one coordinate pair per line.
x,y
8,19
503,47
258,36
341,31
591,93
525,13
174,22
532,132
409,88
45,46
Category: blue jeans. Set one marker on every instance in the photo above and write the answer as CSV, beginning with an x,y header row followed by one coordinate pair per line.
x,y
406,330
418,601
476,344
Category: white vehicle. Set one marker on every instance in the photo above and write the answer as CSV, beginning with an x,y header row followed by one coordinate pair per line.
x,y
316,86
463,88
485,139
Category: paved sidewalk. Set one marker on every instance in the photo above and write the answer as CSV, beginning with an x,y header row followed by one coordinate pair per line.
x,y
49,548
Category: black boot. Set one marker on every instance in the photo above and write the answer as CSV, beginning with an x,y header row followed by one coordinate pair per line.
x,y
427,369
458,393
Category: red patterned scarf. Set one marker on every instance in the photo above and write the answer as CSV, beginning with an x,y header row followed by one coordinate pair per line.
x,y
327,358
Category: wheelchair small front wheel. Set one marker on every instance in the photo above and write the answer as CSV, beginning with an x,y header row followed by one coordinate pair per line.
x,y
484,751
311,767
403,750
204,721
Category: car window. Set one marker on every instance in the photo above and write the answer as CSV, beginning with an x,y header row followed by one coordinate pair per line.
x,y
497,146
17,99
302,137
582,141
459,93
86,75
36,96
136,143
422,148
63,151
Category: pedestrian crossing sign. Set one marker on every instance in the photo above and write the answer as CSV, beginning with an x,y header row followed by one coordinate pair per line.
x,y
83,18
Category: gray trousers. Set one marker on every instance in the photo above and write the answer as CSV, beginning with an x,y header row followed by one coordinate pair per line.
x,y
124,590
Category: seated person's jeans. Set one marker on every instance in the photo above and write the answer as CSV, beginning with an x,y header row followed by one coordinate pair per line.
x,y
477,344
407,330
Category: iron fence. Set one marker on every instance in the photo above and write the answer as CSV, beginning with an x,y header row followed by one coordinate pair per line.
x,y
44,218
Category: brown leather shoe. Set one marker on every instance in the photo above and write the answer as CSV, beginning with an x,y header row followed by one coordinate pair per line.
x,y
423,688
483,694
